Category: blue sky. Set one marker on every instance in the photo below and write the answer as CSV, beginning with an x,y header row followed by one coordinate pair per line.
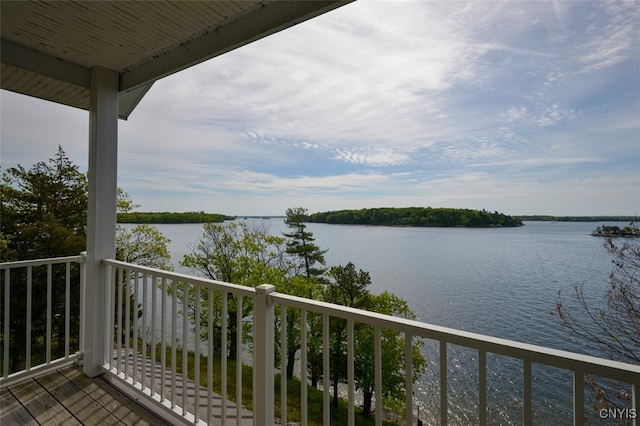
x,y
520,107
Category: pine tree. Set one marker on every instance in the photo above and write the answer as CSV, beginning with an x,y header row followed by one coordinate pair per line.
x,y
301,243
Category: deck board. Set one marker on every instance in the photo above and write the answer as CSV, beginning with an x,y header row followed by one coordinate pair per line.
x,y
68,397
81,405
12,412
116,403
43,407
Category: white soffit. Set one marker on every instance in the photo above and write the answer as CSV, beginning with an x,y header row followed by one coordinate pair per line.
x,y
49,47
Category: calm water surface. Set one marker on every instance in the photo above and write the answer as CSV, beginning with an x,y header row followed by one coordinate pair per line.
x,y
501,282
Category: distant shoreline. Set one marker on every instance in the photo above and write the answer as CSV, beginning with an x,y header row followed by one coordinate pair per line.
x,y
201,217
543,218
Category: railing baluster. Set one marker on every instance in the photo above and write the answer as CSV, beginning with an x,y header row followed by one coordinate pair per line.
x,y
210,355
120,336
152,345
443,383
326,371
283,364
29,314
110,332
224,354
196,357
482,387
378,374
82,259
408,378
163,340
67,308
174,326
239,361
185,346
578,397
49,313
127,320
527,395
7,318
136,324
143,330
303,367
351,372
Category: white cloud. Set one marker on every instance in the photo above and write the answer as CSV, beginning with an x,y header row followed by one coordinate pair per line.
x,y
384,103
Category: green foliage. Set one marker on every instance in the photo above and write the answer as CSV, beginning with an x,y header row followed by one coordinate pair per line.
x,y
350,288
143,245
547,218
236,253
44,210
416,216
301,243
169,217
393,354
44,214
616,231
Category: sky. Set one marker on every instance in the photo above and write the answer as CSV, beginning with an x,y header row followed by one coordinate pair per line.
x,y
521,107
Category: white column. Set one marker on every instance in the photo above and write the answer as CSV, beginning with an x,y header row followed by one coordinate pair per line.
x,y
101,223
263,367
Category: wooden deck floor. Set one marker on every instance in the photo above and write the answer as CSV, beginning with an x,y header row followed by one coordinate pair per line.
x,y
68,397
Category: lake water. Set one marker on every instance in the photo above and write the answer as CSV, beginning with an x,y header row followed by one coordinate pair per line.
x,y
501,282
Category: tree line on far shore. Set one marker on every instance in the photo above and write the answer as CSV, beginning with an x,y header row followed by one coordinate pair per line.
x,y
416,216
171,217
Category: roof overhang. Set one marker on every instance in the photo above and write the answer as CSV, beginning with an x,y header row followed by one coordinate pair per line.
x,y
48,48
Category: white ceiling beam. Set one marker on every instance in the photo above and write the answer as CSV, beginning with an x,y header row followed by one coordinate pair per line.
x,y
41,63
270,18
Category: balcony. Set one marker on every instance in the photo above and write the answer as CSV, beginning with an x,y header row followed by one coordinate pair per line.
x,y
147,355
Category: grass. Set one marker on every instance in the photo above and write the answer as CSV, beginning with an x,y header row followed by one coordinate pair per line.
x,y
294,402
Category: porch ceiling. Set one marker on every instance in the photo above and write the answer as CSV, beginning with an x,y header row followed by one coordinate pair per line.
x,y
49,47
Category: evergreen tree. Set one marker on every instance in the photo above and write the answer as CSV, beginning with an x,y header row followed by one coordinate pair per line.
x,y
44,214
301,243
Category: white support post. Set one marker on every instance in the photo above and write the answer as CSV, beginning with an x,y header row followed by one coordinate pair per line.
x,y
263,358
101,222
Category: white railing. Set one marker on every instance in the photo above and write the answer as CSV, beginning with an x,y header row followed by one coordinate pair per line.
x,y
149,329
39,280
157,332
579,365
142,282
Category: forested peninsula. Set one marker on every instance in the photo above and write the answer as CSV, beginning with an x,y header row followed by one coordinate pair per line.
x,y
417,216
169,217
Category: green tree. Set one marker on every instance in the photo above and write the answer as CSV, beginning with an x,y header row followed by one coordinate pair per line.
x,y
44,214
44,209
349,287
236,253
393,355
143,244
615,325
307,277
301,243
